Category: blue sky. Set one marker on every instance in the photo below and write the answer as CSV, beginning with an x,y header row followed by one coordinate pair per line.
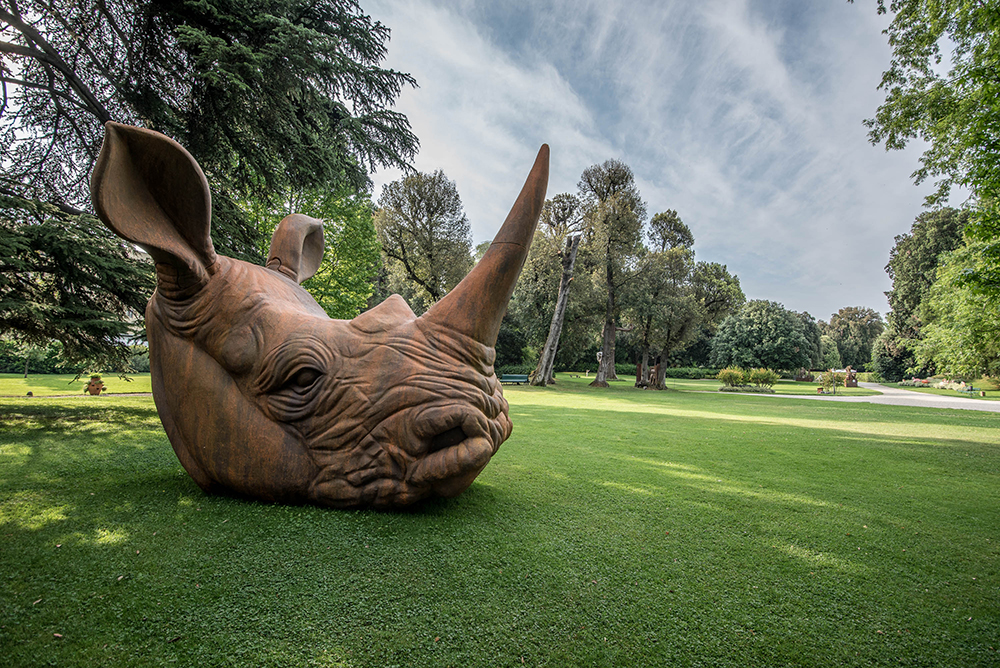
x,y
743,115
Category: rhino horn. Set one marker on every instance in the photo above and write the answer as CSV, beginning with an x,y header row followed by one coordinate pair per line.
x,y
476,306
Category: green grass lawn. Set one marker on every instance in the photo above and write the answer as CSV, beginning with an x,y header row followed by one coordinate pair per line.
x,y
615,527
47,385
781,387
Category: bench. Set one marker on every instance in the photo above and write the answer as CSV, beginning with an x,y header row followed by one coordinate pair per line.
x,y
515,378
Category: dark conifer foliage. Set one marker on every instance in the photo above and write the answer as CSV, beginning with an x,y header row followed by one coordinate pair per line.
x,y
270,96
67,277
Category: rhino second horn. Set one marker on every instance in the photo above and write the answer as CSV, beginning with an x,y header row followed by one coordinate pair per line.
x,y
476,306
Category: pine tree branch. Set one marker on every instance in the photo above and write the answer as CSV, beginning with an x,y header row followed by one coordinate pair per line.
x,y
46,53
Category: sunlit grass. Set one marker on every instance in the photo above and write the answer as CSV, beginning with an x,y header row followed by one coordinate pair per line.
x,y
47,385
615,527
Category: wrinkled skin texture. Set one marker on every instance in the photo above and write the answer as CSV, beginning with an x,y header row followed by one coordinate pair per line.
x,y
263,395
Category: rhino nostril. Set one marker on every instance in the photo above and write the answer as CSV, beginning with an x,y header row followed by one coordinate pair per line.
x,y
446,439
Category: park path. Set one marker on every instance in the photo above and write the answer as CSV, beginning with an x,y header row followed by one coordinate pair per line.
x,y
893,396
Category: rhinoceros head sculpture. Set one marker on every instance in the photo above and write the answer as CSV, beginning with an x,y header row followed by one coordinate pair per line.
x,y
262,394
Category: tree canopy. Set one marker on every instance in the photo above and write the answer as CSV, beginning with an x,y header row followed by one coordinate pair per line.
x,y
67,277
270,96
960,334
953,107
266,94
854,329
425,235
761,334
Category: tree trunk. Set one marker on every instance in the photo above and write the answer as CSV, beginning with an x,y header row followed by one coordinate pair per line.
x,y
27,361
606,369
661,375
641,366
543,372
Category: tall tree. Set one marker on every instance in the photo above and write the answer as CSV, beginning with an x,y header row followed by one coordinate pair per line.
x,y
955,109
913,263
663,300
423,230
615,215
854,329
268,95
560,219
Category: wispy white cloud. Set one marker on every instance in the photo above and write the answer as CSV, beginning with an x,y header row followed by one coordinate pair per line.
x,y
744,115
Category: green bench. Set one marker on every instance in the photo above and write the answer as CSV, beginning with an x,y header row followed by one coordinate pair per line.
x,y
516,378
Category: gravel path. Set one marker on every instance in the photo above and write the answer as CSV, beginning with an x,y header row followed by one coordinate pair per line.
x,y
893,396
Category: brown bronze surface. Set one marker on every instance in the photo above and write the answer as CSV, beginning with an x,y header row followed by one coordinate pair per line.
x,y
262,394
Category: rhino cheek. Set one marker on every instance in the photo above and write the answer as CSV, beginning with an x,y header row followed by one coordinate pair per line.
x,y
223,440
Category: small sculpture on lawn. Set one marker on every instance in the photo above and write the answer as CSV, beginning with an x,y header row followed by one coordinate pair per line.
x,y
262,394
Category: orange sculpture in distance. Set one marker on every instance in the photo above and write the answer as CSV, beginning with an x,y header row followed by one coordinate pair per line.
x,y
262,394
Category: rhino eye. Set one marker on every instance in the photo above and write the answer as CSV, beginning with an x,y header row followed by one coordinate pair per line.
x,y
304,378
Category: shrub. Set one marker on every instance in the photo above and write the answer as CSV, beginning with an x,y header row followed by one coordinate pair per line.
x,y
692,372
748,388
515,369
731,376
831,379
762,377
624,369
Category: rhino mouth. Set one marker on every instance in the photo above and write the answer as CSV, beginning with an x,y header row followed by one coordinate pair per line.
x,y
452,445
447,439
442,427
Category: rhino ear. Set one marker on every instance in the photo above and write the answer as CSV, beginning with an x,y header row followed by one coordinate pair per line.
x,y
148,189
296,247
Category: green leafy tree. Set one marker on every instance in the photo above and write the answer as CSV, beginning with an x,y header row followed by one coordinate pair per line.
x,y
720,295
954,108
962,331
663,305
913,263
761,334
889,359
424,233
346,278
615,213
813,334
830,353
854,329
